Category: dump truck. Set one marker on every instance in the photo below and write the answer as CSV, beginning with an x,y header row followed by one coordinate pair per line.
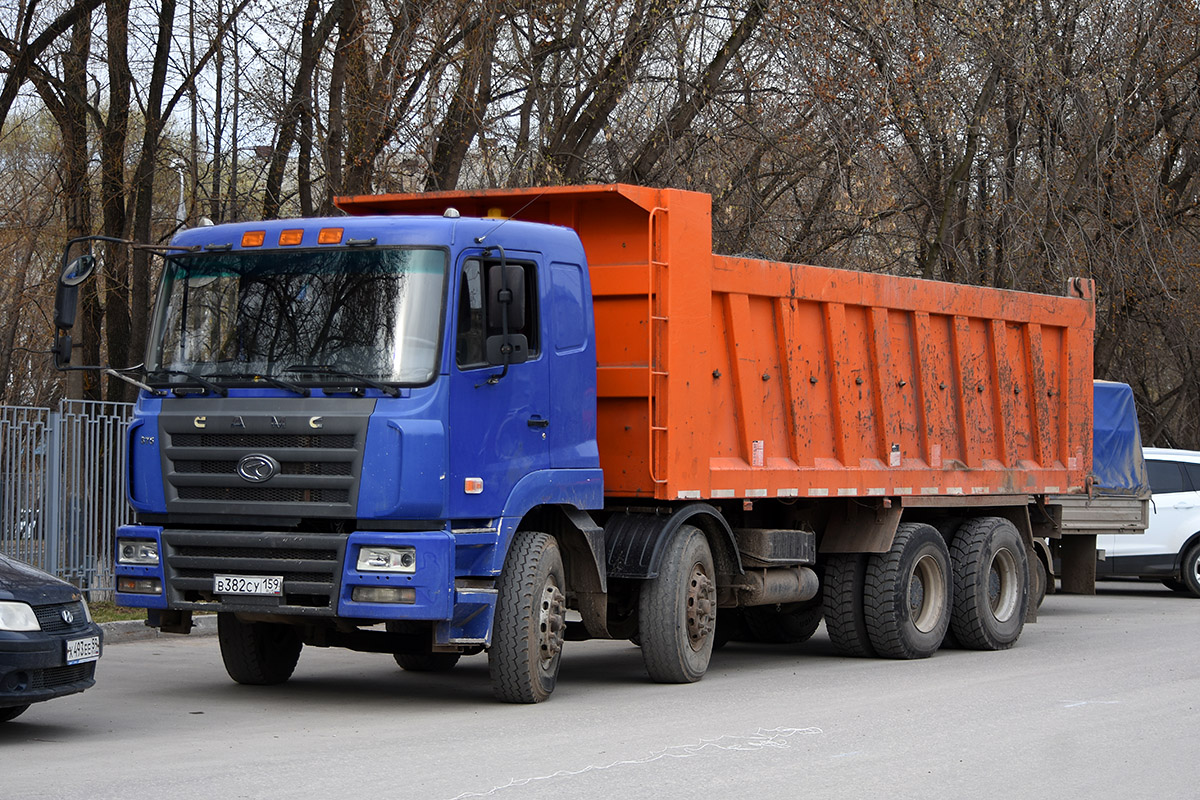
x,y
499,421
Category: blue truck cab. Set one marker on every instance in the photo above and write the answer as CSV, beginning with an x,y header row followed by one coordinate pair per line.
x,y
345,421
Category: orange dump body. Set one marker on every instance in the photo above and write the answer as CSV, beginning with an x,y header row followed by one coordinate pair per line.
x,y
724,377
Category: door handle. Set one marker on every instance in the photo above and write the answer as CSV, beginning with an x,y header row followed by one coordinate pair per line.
x,y
538,422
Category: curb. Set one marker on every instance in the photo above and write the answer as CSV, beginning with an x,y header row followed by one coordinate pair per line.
x,y
136,630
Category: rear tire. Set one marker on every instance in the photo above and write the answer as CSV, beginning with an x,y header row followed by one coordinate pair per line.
x,y
258,653
678,611
784,623
908,594
1189,570
12,712
845,616
427,662
991,584
1040,580
530,623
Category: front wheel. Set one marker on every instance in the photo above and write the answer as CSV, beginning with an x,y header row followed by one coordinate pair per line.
x,y
1189,570
12,712
678,611
258,653
907,596
530,622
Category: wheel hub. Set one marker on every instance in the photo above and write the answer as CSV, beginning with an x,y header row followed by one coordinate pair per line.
x,y
552,623
701,606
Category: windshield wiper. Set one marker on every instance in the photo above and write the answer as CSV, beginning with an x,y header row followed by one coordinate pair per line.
x,y
271,379
326,369
203,382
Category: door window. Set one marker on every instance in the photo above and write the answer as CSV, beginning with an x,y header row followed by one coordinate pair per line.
x,y
475,324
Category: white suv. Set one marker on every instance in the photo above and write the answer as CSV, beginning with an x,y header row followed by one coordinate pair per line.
x,y
1169,550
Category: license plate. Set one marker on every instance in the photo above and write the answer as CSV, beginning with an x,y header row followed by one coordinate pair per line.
x,y
80,651
268,585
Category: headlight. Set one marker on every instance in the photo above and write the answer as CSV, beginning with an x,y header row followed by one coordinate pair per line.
x,y
143,552
387,559
17,617
87,612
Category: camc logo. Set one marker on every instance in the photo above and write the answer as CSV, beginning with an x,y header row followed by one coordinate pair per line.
x,y
257,468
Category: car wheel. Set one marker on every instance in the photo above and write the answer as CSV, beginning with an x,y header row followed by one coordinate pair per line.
x,y
12,712
1175,585
1189,570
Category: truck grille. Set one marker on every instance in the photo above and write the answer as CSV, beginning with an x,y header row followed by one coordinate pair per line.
x,y
316,446
308,563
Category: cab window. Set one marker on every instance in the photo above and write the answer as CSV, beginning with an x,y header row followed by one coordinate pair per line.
x,y
475,324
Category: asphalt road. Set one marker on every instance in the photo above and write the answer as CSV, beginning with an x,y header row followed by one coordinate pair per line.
x,y
1099,699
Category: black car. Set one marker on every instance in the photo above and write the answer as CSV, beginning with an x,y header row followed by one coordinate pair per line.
x,y
48,642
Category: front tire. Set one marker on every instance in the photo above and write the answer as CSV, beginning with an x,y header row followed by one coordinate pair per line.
x,y
12,712
991,584
530,623
678,611
258,653
1189,570
908,594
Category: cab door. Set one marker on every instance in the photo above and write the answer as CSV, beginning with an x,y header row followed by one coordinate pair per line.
x,y
499,415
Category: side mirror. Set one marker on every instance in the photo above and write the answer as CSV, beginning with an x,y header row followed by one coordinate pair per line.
x,y
66,300
66,303
506,296
513,349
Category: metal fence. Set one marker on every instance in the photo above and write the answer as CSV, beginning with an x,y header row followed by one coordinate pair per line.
x,y
63,493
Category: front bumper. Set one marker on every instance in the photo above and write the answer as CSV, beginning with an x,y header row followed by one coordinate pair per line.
x,y
33,666
319,573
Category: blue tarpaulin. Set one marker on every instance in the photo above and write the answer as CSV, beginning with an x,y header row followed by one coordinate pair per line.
x,y
1117,462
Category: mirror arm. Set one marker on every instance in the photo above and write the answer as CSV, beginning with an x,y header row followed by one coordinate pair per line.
x,y
506,292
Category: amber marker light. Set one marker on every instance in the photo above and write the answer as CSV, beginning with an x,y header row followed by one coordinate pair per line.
x,y
253,238
330,236
291,237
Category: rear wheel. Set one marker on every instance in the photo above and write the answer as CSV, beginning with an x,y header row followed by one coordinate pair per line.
x,y
1189,570
12,712
784,623
845,616
531,620
991,584
427,662
678,611
1039,579
258,653
908,593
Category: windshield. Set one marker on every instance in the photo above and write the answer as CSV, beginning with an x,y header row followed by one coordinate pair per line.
x,y
374,313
